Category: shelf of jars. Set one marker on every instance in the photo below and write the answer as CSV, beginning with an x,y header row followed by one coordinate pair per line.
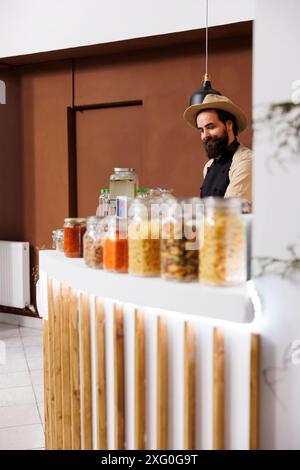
x,y
189,298
149,248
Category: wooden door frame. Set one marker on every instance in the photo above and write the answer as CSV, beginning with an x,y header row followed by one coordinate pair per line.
x,y
72,150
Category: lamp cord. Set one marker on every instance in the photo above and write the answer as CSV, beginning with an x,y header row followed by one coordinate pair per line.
x,y
206,48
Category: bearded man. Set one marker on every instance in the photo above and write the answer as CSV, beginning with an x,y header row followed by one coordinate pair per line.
x,y
228,172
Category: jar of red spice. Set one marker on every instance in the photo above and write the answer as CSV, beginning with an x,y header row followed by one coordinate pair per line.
x,y
74,229
115,253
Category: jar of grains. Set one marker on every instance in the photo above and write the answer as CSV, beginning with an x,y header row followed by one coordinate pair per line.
x,y
74,230
223,243
115,248
143,240
93,242
179,241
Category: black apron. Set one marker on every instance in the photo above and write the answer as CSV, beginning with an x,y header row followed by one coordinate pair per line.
x,y
217,177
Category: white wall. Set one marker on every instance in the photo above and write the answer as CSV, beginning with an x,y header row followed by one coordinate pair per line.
x,y
29,26
277,221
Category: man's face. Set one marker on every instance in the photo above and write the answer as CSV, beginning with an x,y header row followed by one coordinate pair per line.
x,y
213,133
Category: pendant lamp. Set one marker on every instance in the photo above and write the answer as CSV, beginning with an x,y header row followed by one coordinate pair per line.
x,y
206,88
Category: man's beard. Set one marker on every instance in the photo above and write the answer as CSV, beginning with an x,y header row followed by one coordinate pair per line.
x,y
215,146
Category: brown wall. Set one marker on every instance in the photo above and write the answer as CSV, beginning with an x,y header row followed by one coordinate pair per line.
x,y
11,183
46,92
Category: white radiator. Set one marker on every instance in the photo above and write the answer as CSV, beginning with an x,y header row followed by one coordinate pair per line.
x,y
14,274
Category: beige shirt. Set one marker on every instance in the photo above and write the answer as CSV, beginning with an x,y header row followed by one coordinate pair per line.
x,y
240,174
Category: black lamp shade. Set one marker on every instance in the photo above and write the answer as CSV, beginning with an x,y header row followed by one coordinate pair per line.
x,y
199,95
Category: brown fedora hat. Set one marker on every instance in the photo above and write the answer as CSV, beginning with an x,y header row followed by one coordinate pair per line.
x,y
216,102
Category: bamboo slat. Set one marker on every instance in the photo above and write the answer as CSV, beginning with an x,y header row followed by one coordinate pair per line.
x,y
119,378
162,384
47,398
100,374
218,389
66,375
140,377
57,368
189,386
52,427
254,391
86,386
75,372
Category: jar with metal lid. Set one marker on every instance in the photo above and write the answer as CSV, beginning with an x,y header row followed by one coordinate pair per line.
x,y
161,194
123,182
223,243
93,242
179,237
58,239
74,230
115,248
143,240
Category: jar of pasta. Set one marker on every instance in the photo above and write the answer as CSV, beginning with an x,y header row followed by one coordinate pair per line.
x,y
143,240
74,230
179,241
115,247
223,243
93,242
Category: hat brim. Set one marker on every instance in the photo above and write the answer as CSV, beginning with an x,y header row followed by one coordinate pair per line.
x,y
191,113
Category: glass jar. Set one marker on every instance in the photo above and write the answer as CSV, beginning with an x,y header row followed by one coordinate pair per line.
x,y
58,239
143,240
93,243
161,194
115,251
223,243
104,202
179,247
74,230
142,193
123,182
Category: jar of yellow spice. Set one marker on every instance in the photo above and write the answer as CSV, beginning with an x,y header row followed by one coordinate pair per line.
x,y
222,255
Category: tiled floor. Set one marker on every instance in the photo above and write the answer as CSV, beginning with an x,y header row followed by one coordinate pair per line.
x,y
21,388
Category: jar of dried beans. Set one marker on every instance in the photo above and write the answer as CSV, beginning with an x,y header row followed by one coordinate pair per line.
x,y
115,248
223,243
179,241
74,230
93,243
143,240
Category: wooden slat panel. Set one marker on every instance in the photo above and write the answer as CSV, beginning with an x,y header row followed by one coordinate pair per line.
x,y
47,396
66,375
162,384
100,374
57,368
218,389
75,372
51,364
254,391
140,377
189,386
119,378
86,386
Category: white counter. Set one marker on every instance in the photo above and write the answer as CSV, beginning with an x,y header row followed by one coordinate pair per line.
x,y
223,303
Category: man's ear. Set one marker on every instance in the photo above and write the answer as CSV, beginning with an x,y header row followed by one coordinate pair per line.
x,y
229,125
